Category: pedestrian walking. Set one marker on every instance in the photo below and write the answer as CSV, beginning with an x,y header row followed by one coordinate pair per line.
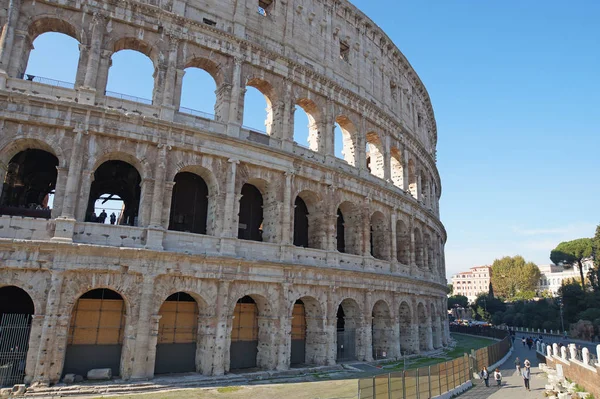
x,y
524,341
526,376
527,363
518,365
498,378
486,376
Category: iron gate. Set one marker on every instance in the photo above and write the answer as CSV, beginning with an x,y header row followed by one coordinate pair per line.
x,y
14,341
346,345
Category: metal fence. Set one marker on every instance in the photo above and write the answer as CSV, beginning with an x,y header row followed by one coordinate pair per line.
x,y
430,381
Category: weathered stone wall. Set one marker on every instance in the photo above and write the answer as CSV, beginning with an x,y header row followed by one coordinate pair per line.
x,y
373,94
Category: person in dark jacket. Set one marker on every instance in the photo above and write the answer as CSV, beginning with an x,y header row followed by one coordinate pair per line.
x,y
485,376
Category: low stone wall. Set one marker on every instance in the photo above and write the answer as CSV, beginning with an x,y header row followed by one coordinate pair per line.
x,y
582,371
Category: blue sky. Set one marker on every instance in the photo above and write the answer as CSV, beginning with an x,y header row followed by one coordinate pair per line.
x,y
515,86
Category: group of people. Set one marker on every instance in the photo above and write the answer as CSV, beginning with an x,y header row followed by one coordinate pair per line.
x,y
102,217
525,372
530,341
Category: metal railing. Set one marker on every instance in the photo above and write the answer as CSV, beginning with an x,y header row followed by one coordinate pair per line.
x,y
195,112
253,129
49,82
127,97
430,381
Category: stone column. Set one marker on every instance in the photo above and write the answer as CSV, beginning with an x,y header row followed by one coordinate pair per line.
x,y
91,73
168,198
141,366
179,75
168,94
405,177
230,219
222,335
155,229
37,325
84,51
328,147
87,177
394,244
205,342
413,247
102,72
146,189
236,106
59,193
7,38
223,94
395,336
366,235
387,160
283,339
288,228
360,155
365,331
153,326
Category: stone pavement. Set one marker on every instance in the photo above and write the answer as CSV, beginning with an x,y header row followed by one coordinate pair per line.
x,y
512,382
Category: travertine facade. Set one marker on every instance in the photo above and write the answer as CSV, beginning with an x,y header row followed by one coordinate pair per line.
x,y
325,56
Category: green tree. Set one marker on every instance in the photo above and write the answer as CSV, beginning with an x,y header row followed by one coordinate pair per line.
x,y
486,307
450,289
458,301
514,278
594,273
572,253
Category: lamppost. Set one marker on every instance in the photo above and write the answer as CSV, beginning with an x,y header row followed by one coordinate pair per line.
x,y
562,321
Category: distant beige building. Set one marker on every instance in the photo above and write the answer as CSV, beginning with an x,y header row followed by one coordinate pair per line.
x,y
552,276
472,282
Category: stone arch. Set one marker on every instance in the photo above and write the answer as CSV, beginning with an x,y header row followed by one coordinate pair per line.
x,y
424,327
397,166
213,68
349,138
402,242
308,345
419,255
382,331
380,235
12,145
315,139
267,90
349,228
141,165
375,155
96,336
193,81
26,282
407,343
349,322
135,44
310,225
267,191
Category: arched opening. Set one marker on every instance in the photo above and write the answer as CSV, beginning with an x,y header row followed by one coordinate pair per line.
x,y
301,224
116,178
348,320
189,204
251,214
345,140
198,92
108,204
96,333
407,345
379,236
402,243
382,331
412,178
258,104
306,129
54,60
374,153
244,335
177,335
16,310
298,352
340,233
418,248
29,184
131,74
435,328
351,228
397,168
424,332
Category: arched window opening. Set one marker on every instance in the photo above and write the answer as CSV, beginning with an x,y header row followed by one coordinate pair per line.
x,y
251,214
258,113
108,209
381,331
244,335
412,178
298,352
302,127
344,133
379,237
177,335
96,333
348,319
189,204
407,345
131,76
54,60
198,93
300,223
306,129
374,153
116,181
397,168
340,233
16,309
29,184
402,243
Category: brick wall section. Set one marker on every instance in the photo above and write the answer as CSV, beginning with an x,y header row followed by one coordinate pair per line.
x,y
577,372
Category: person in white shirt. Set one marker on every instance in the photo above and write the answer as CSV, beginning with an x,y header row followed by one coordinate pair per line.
x,y
498,377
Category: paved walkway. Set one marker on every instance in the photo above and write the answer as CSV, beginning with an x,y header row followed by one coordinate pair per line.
x,y
512,382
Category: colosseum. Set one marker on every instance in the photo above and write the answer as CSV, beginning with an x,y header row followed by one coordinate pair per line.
x,y
234,249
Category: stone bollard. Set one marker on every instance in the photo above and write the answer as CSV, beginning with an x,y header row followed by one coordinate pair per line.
x,y
573,351
549,351
598,355
544,331
563,353
586,356
555,349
